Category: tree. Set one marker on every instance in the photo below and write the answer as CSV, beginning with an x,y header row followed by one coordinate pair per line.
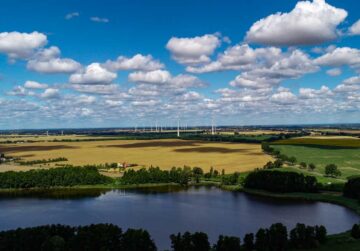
x,y
332,170
292,160
137,239
262,240
197,172
231,179
249,242
352,188
355,231
190,242
312,166
55,243
303,165
277,237
320,234
200,241
278,163
211,172
228,243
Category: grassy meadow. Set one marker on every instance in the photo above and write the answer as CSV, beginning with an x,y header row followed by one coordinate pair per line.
x,y
163,153
342,151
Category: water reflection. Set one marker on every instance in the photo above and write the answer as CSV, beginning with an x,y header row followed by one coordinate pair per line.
x,y
169,210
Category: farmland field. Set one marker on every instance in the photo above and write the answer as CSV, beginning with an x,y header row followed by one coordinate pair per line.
x,y
344,152
163,153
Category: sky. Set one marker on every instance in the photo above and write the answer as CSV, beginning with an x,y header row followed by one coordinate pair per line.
x,y
108,63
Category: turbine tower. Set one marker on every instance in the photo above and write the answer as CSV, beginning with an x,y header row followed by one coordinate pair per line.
x,y
212,127
178,128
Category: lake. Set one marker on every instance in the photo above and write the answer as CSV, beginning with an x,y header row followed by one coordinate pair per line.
x,y
206,209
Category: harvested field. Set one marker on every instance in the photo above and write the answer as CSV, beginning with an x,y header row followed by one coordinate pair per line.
x,y
163,153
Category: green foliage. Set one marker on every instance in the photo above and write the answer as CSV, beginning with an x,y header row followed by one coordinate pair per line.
x,y
272,165
43,161
111,237
62,237
262,240
303,165
156,175
137,239
249,242
306,237
332,170
231,179
312,166
190,242
347,159
355,231
352,188
54,177
227,243
198,173
326,143
276,181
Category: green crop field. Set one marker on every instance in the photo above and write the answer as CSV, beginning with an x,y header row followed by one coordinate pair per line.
x,y
322,142
344,152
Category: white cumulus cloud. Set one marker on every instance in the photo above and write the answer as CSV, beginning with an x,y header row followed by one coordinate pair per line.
x,y
194,50
355,28
138,63
308,23
48,61
21,45
93,74
34,85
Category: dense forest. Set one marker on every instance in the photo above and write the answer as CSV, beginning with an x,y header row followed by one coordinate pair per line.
x,y
55,177
277,181
110,237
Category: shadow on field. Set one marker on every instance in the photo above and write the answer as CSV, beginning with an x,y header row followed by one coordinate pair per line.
x,y
31,148
155,144
214,150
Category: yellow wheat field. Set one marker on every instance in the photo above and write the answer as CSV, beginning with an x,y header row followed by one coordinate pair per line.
x,y
163,153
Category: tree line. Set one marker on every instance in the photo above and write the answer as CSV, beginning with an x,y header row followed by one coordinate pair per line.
x,y
275,238
278,181
156,175
54,177
182,176
94,237
111,237
41,161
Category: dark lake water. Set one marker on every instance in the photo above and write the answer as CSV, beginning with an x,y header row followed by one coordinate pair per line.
x,y
196,209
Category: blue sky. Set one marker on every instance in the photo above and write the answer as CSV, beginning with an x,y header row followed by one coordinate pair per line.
x,y
126,63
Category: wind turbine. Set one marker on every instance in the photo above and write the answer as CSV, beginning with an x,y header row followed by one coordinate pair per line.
x,y
178,128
